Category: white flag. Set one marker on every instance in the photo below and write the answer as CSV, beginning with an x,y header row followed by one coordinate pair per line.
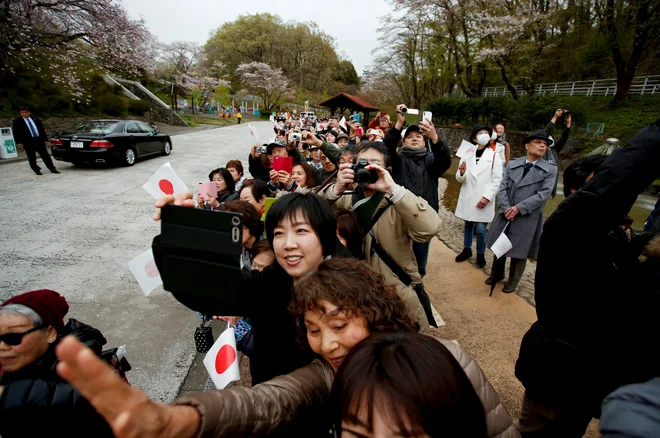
x,y
165,182
502,245
145,271
466,150
254,132
221,361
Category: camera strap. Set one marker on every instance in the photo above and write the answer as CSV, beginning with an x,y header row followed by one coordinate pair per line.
x,y
389,261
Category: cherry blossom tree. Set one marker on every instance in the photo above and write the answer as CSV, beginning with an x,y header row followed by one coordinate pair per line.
x,y
202,88
267,83
58,38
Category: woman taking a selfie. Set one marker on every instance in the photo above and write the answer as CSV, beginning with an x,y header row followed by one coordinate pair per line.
x,y
337,306
301,229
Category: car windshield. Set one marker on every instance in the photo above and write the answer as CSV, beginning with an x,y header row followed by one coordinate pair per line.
x,y
93,127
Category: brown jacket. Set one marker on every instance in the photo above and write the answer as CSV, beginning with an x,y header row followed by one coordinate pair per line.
x,y
272,408
409,220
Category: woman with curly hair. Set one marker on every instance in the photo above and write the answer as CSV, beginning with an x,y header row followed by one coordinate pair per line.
x,y
338,305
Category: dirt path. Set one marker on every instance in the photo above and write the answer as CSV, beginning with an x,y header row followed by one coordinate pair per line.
x,y
489,328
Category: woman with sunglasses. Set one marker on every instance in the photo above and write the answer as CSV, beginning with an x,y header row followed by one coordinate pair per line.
x,y
34,400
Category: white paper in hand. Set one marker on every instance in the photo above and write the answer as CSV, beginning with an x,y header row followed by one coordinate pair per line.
x,y
165,182
502,245
145,271
221,361
466,150
254,133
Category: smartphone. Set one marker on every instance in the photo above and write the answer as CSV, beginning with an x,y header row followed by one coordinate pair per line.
x,y
428,115
207,190
198,255
283,163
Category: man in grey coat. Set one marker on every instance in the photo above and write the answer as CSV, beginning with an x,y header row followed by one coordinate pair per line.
x,y
526,187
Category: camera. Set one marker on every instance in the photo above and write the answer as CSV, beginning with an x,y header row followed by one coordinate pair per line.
x,y
565,112
262,149
295,136
364,177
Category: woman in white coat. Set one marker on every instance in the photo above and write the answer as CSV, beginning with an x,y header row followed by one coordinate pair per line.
x,y
480,176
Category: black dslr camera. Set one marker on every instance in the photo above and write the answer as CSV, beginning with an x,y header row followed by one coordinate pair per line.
x,y
565,112
364,177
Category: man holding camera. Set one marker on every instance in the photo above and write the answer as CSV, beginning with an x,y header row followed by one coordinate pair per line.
x,y
259,164
401,219
552,154
417,168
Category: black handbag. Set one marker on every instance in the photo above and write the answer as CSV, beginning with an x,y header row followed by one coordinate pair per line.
x,y
204,336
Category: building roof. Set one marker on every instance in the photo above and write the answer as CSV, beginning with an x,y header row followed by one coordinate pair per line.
x,y
344,100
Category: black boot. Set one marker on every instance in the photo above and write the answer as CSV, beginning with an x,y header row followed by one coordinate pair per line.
x,y
466,254
481,260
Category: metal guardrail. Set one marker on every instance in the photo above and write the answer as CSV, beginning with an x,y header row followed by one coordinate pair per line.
x,y
641,86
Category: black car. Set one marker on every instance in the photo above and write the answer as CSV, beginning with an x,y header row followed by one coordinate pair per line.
x,y
110,141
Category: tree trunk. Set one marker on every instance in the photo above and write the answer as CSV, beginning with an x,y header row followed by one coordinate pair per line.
x,y
506,80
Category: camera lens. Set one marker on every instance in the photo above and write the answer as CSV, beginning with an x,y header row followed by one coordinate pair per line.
x,y
404,110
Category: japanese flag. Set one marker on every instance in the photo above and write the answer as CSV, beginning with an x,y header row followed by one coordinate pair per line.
x,y
165,182
254,132
343,124
466,150
145,271
221,361
502,245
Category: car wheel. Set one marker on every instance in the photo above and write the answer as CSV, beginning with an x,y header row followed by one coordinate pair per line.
x,y
129,157
167,148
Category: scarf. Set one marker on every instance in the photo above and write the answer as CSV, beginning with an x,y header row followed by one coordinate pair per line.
x,y
414,153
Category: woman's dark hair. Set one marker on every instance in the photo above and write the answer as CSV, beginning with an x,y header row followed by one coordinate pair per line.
x,y
236,164
377,145
258,188
260,247
251,217
311,207
354,288
349,229
309,173
413,382
224,173
576,174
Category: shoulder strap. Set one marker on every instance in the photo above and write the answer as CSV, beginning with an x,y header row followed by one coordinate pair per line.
x,y
377,216
389,261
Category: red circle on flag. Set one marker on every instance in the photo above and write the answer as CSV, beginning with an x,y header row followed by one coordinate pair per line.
x,y
166,186
225,357
151,269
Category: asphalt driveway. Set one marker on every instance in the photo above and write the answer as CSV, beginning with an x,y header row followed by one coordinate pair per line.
x,y
75,233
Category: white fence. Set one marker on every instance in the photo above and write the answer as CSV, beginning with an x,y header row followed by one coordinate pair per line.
x,y
641,85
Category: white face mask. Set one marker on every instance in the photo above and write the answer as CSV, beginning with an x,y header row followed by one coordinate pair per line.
x,y
483,139
494,136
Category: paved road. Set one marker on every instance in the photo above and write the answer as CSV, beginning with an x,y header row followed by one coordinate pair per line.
x,y
75,233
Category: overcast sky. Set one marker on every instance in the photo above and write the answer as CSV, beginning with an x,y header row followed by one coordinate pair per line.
x,y
352,23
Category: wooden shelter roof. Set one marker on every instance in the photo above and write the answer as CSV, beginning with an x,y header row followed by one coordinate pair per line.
x,y
344,100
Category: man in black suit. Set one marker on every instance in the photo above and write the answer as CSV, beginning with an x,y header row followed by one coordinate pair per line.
x,y
30,135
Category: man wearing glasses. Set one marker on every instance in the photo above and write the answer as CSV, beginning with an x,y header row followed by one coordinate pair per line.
x,y
402,218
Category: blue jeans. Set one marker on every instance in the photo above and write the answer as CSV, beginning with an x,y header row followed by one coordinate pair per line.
x,y
482,228
421,251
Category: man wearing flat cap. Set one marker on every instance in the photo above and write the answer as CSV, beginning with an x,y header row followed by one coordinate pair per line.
x,y
526,186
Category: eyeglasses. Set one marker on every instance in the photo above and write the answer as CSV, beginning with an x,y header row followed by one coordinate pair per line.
x,y
14,339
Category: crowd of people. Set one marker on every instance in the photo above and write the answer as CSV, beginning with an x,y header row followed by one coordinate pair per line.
x,y
332,310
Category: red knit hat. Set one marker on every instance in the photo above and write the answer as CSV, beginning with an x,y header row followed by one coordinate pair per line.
x,y
51,306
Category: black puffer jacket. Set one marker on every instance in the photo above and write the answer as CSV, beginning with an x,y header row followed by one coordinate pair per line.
x,y
419,175
597,317
36,402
